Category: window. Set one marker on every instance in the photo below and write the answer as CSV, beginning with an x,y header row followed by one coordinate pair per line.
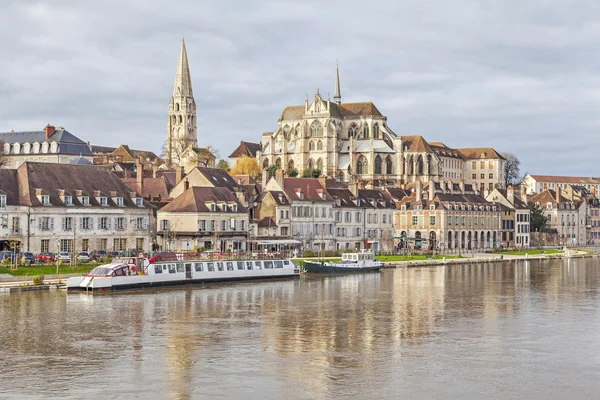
x,y
284,231
66,245
103,201
45,245
223,225
198,267
85,223
432,220
172,268
365,131
383,218
85,244
158,269
268,264
139,202
139,223
68,200
15,225
104,244
240,265
242,225
319,145
474,165
482,176
180,268
119,244
482,165
278,264
85,200
120,223
139,244
491,176
229,265
2,201
119,201
45,199
211,267
45,223
103,223
376,131
415,220
249,265
164,224
491,165
220,266
67,224
474,176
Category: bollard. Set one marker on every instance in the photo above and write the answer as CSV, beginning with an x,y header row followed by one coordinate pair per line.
x,y
526,256
444,260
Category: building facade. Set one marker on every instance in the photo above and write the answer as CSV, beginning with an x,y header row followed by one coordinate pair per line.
x,y
535,184
514,205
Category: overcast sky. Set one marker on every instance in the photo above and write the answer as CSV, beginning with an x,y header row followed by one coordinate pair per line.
x,y
521,76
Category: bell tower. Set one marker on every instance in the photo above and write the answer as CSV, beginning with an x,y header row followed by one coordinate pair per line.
x,y
181,128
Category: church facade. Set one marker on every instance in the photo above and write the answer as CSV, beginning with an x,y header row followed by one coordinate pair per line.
x,y
353,142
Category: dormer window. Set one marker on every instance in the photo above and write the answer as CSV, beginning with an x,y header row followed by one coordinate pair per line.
x,y
403,207
103,201
2,201
234,207
432,207
139,202
68,200
45,199
85,200
213,207
549,206
300,195
119,201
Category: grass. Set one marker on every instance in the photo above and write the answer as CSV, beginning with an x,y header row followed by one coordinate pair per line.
x,y
46,269
413,257
530,252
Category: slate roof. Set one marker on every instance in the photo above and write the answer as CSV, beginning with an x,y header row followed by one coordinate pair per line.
x,y
151,187
345,196
549,196
81,161
267,222
67,142
382,198
344,110
53,177
195,198
476,152
245,149
219,177
9,186
566,179
308,186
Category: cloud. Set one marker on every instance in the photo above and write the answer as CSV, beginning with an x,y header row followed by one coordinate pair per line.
x,y
519,76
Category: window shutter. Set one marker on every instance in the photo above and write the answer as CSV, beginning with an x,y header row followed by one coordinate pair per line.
x,y
91,223
51,223
63,220
40,223
125,223
108,221
145,223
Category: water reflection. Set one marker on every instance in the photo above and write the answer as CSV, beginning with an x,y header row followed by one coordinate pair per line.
x,y
317,337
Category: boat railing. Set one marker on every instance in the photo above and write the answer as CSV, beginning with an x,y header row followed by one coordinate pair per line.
x,y
209,256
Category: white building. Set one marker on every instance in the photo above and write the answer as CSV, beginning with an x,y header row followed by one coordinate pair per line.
x,y
535,184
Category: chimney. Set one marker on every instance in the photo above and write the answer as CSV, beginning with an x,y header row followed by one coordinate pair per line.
x,y
154,171
353,187
279,176
461,185
139,175
524,194
178,175
49,130
510,194
558,194
431,190
443,185
186,185
451,187
593,190
418,191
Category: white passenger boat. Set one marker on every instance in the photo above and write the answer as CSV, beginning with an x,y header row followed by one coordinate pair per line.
x,y
140,272
351,262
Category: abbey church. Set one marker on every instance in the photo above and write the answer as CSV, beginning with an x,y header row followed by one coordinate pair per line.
x,y
353,142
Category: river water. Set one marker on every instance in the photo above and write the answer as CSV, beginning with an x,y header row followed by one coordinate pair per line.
x,y
504,331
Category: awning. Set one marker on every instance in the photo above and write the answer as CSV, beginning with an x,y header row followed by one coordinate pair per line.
x,y
278,241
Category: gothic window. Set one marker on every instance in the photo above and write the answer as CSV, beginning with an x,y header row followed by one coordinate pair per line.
x,y
365,131
388,165
174,119
362,167
278,163
311,146
378,165
266,164
376,131
352,131
420,165
320,165
341,176
176,106
180,119
319,145
316,129
286,131
291,165
311,163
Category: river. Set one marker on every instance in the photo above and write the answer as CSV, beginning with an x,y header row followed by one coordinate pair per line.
x,y
504,331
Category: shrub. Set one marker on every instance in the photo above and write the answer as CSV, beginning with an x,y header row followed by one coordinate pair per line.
x,y
5,261
38,280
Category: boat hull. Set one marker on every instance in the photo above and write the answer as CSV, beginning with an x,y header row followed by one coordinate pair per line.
x,y
323,268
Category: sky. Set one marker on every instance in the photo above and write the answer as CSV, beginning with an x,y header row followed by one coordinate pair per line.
x,y
520,76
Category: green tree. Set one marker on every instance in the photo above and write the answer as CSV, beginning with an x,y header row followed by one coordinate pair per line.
x,y
271,169
311,173
292,173
223,165
537,218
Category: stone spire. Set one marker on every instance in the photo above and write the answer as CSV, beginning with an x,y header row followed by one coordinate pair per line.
x,y
337,94
183,81
181,128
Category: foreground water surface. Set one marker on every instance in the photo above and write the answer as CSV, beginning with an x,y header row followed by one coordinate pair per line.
x,y
513,330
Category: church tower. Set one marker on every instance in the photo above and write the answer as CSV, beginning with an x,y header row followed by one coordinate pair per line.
x,y
181,128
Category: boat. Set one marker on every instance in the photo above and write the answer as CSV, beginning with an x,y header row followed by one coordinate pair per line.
x,y
351,262
178,269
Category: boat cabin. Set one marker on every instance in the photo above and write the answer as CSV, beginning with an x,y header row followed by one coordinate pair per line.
x,y
358,256
113,269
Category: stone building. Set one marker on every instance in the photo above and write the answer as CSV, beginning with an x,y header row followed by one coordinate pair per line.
x,y
535,184
515,221
59,207
50,145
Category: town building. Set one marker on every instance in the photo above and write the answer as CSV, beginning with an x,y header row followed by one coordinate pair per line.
x,y
60,207
50,145
535,184
244,149
515,221
446,216
203,218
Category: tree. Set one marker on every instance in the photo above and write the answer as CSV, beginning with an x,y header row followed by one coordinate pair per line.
x,y
3,156
292,173
311,173
223,165
172,151
537,217
511,169
246,166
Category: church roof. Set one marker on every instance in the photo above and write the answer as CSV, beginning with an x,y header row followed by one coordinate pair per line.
x,y
183,80
343,110
416,144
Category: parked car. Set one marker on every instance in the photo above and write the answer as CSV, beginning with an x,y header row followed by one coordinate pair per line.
x,y
113,254
7,254
83,256
96,254
64,256
28,257
45,257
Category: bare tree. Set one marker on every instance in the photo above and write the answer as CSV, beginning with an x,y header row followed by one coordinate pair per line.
x,y
177,147
3,156
512,174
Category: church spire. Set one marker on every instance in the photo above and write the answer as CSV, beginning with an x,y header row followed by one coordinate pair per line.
x,y
337,94
183,81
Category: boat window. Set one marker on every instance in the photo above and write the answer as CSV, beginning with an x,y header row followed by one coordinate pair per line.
x,y
198,267
286,262
164,267
355,257
220,266
278,264
172,268
257,264
158,269
229,266
119,272
240,265
211,266
268,264
180,268
249,265
100,272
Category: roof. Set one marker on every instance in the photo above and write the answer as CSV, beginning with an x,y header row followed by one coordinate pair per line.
x,y
51,178
245,149
415,144
480,153
344,110
345,196
566,179
442,150
547,196
219,177
81,161
67,142
267,222
311,188
369,195
151,187
195,199
9,186
397,193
